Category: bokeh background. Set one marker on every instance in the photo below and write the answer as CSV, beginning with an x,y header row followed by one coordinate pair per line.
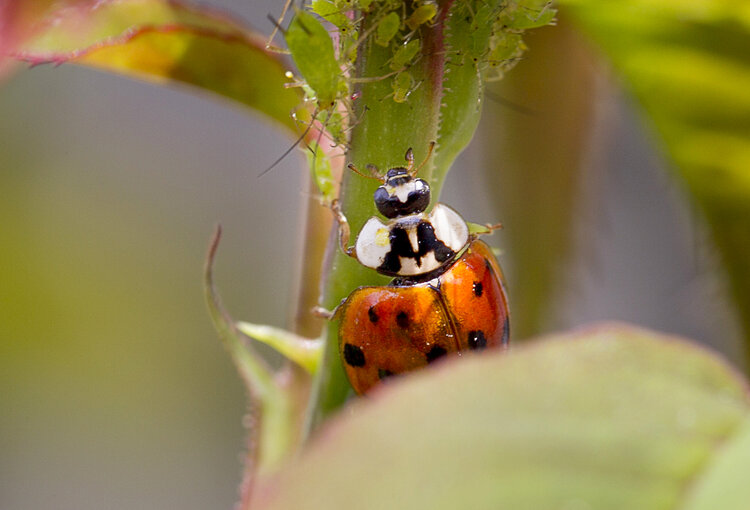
x,y
115,392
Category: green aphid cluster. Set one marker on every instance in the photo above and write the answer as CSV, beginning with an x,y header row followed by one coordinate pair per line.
x,y
505,45
494,39
488,34
394,24
325,56
397,28
324,39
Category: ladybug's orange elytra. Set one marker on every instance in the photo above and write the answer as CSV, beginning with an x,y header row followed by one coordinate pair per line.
x,y
390,330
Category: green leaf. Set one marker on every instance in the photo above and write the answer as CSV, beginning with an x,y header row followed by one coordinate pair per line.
x,y
725,480
688,64
611,417
166,42
305,352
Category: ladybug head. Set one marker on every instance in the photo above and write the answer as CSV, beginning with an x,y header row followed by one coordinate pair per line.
x,y
402,194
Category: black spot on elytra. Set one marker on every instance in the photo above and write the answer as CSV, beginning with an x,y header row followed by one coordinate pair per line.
x,y
436,352
506,331
477,287
354,356
383,374
373,316
477,340
402,320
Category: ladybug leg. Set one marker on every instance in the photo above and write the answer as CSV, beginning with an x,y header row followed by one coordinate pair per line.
x,y
344,231
486,228
322,313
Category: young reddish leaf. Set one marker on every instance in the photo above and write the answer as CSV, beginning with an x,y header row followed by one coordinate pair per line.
x,y
16,20
8,28
165,41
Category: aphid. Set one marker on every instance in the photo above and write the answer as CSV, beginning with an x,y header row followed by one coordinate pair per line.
x,y
405,54
387,28
448,295
332,13
421,15
403,85
312,51
481,28
523,17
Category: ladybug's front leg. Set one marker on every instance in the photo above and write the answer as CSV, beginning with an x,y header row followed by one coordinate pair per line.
x,y
324,313
344,231
477,230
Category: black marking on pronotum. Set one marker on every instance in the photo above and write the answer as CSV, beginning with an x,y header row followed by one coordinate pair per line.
x,y
436,352
399,244
354,356
427,242
477,288
402,319
372,315
383,373
477,340
506,332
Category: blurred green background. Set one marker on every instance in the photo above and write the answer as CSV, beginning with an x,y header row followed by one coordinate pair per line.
x,y
116,393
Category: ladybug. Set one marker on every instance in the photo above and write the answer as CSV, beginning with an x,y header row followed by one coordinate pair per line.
x,y
447,296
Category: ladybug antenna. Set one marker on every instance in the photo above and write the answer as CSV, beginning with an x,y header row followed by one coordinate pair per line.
x,y
410,159
375,172
409,156
353,168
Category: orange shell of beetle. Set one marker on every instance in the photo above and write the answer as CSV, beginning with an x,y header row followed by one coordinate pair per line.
x,y
386,331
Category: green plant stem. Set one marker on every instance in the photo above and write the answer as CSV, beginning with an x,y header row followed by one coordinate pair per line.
x,y
443,108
